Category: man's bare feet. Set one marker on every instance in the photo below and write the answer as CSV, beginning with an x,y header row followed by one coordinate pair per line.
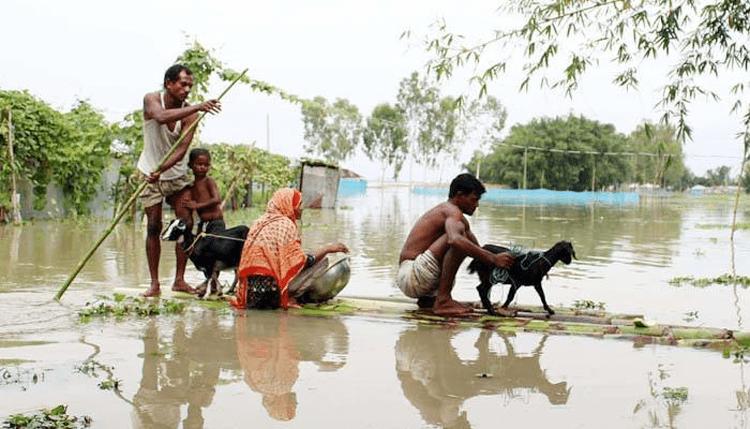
x,y
505,312
152,291
450,307
182,286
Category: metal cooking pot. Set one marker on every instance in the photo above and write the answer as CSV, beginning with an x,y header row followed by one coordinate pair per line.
x,y
325,279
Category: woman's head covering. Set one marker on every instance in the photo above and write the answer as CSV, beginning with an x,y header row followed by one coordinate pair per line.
x,y
273,246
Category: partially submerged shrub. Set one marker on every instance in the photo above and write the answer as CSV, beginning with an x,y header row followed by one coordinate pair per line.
x,y
122,305
48,419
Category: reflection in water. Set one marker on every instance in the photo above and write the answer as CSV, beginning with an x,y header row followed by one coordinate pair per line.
x,y
669,399
181,370
271,345
270,361
437,382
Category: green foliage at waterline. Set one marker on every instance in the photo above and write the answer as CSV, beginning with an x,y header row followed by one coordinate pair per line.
x,y
56,418
120,305
69,149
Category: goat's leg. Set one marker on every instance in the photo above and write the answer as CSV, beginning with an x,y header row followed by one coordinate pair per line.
x,y
203,289
215,286
484,296
233,286
538,289
511,295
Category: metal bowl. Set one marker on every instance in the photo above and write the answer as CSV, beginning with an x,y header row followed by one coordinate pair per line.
x,y
326,278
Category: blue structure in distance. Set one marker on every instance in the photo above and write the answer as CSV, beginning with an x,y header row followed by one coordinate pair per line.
x,y
546,196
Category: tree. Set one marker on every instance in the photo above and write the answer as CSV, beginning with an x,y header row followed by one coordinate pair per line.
x,y
485,120
569,153
79,163
431,121
332,131
384,138
718,176
563,39
658,155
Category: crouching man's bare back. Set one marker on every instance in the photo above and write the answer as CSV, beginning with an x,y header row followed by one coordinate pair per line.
x,y
438,244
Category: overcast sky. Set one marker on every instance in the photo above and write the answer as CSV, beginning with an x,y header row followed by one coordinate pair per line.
x,y
112,53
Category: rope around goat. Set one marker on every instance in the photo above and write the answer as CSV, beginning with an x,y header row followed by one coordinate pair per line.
x,y
502,275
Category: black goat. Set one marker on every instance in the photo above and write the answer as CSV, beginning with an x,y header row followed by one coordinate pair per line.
x,y
210,253
528,269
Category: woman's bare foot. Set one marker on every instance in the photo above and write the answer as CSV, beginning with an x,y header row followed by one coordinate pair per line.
x,y
293,303
153,290
182,286
450,307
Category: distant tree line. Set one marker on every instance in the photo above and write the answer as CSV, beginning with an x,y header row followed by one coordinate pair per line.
x,y
73,148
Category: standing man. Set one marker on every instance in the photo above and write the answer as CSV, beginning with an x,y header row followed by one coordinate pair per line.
x,y
165,115
438,244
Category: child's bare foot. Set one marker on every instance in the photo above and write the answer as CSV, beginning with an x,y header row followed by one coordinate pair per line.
x,y
182,286
152,291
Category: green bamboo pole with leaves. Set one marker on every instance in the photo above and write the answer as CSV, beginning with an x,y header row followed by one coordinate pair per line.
x,y
135,195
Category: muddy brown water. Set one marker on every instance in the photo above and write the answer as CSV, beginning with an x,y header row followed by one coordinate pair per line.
x,y
213,368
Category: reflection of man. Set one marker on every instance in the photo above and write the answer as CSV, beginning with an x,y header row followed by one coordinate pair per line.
x,y
189,376
437,245
437,382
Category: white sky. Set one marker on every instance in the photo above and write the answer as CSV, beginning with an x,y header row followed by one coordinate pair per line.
x,y
112,53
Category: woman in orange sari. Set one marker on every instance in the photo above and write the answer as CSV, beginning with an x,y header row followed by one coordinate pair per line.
x,y
272,255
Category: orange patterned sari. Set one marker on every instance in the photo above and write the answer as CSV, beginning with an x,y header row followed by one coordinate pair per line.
x,y
273,246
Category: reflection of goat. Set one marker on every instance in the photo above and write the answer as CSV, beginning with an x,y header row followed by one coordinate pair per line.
x,y
211,253
527,269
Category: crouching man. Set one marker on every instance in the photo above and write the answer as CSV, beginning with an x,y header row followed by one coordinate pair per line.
x,y
437,245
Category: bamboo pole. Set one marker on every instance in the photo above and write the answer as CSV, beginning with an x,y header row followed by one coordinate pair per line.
x,y
135,195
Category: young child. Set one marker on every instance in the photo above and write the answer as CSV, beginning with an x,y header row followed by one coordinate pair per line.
x,y
205,199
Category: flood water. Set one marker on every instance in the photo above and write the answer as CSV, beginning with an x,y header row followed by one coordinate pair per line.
x,y
215,368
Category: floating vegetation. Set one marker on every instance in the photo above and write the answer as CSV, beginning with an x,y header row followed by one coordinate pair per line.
x,y
18,376
585,304
325,309
726,279
675,395
739,353
691,316
122,305
110,385
92,368
738,226
47,419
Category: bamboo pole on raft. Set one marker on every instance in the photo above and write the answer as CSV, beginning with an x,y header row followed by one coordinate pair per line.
x,y
135,195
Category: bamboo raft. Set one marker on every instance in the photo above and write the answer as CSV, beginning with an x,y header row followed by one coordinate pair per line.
x,y
565,321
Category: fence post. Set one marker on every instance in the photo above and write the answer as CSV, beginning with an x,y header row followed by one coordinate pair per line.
x,y
14,197
525,157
